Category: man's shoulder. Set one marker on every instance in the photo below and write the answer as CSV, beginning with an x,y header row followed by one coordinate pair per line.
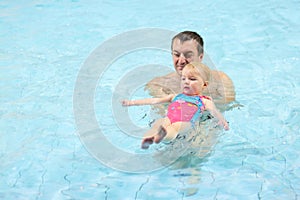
x,y
162,85
221,87
171,75
163,80
219,75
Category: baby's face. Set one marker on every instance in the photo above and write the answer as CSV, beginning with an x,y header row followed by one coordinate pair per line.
x,y
191,83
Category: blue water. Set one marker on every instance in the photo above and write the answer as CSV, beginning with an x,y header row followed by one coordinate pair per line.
x,y
44,45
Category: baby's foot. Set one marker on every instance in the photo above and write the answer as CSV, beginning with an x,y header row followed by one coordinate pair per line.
x,y
146,142
160,135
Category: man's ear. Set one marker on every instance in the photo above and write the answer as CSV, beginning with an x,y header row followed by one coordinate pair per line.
x,y
201,56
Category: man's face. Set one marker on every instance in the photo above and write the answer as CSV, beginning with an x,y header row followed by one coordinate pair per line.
x,y
184,53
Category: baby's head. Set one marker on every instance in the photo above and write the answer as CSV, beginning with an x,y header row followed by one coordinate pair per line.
x,y
197,69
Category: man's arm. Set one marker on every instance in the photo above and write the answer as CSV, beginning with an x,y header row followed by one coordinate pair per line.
x,y
220,88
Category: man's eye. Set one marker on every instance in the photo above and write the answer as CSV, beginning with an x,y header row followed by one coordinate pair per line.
x,y
176,54
188,55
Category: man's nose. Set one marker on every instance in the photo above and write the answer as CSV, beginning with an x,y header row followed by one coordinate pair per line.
x,y
182,58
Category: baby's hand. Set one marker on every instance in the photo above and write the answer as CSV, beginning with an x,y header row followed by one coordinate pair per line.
x,y
126,102
224,124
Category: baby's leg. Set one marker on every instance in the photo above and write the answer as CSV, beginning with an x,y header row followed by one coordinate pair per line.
x,y
155,134
146,142
162,132
155,128
169,131
174,129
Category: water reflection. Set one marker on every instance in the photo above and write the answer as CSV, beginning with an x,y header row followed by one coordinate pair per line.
x,y
190,150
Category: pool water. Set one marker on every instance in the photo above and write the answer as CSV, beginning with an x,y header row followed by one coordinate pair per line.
x,y
44,45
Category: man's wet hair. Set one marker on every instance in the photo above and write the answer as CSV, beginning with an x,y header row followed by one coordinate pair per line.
x,y
189,35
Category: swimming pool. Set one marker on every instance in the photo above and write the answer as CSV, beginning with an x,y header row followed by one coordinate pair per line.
x,y
45,44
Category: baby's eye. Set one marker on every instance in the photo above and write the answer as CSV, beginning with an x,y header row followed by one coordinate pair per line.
x,y
193,79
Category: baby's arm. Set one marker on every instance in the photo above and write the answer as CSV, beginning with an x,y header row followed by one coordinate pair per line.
x,y
148,101
210,106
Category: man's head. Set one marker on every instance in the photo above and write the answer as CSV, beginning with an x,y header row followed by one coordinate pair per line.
x,y
187,46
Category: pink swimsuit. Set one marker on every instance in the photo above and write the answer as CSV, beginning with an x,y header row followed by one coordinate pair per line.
x,y
185,108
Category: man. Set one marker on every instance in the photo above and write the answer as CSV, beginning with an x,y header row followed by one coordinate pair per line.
x,y
187,47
